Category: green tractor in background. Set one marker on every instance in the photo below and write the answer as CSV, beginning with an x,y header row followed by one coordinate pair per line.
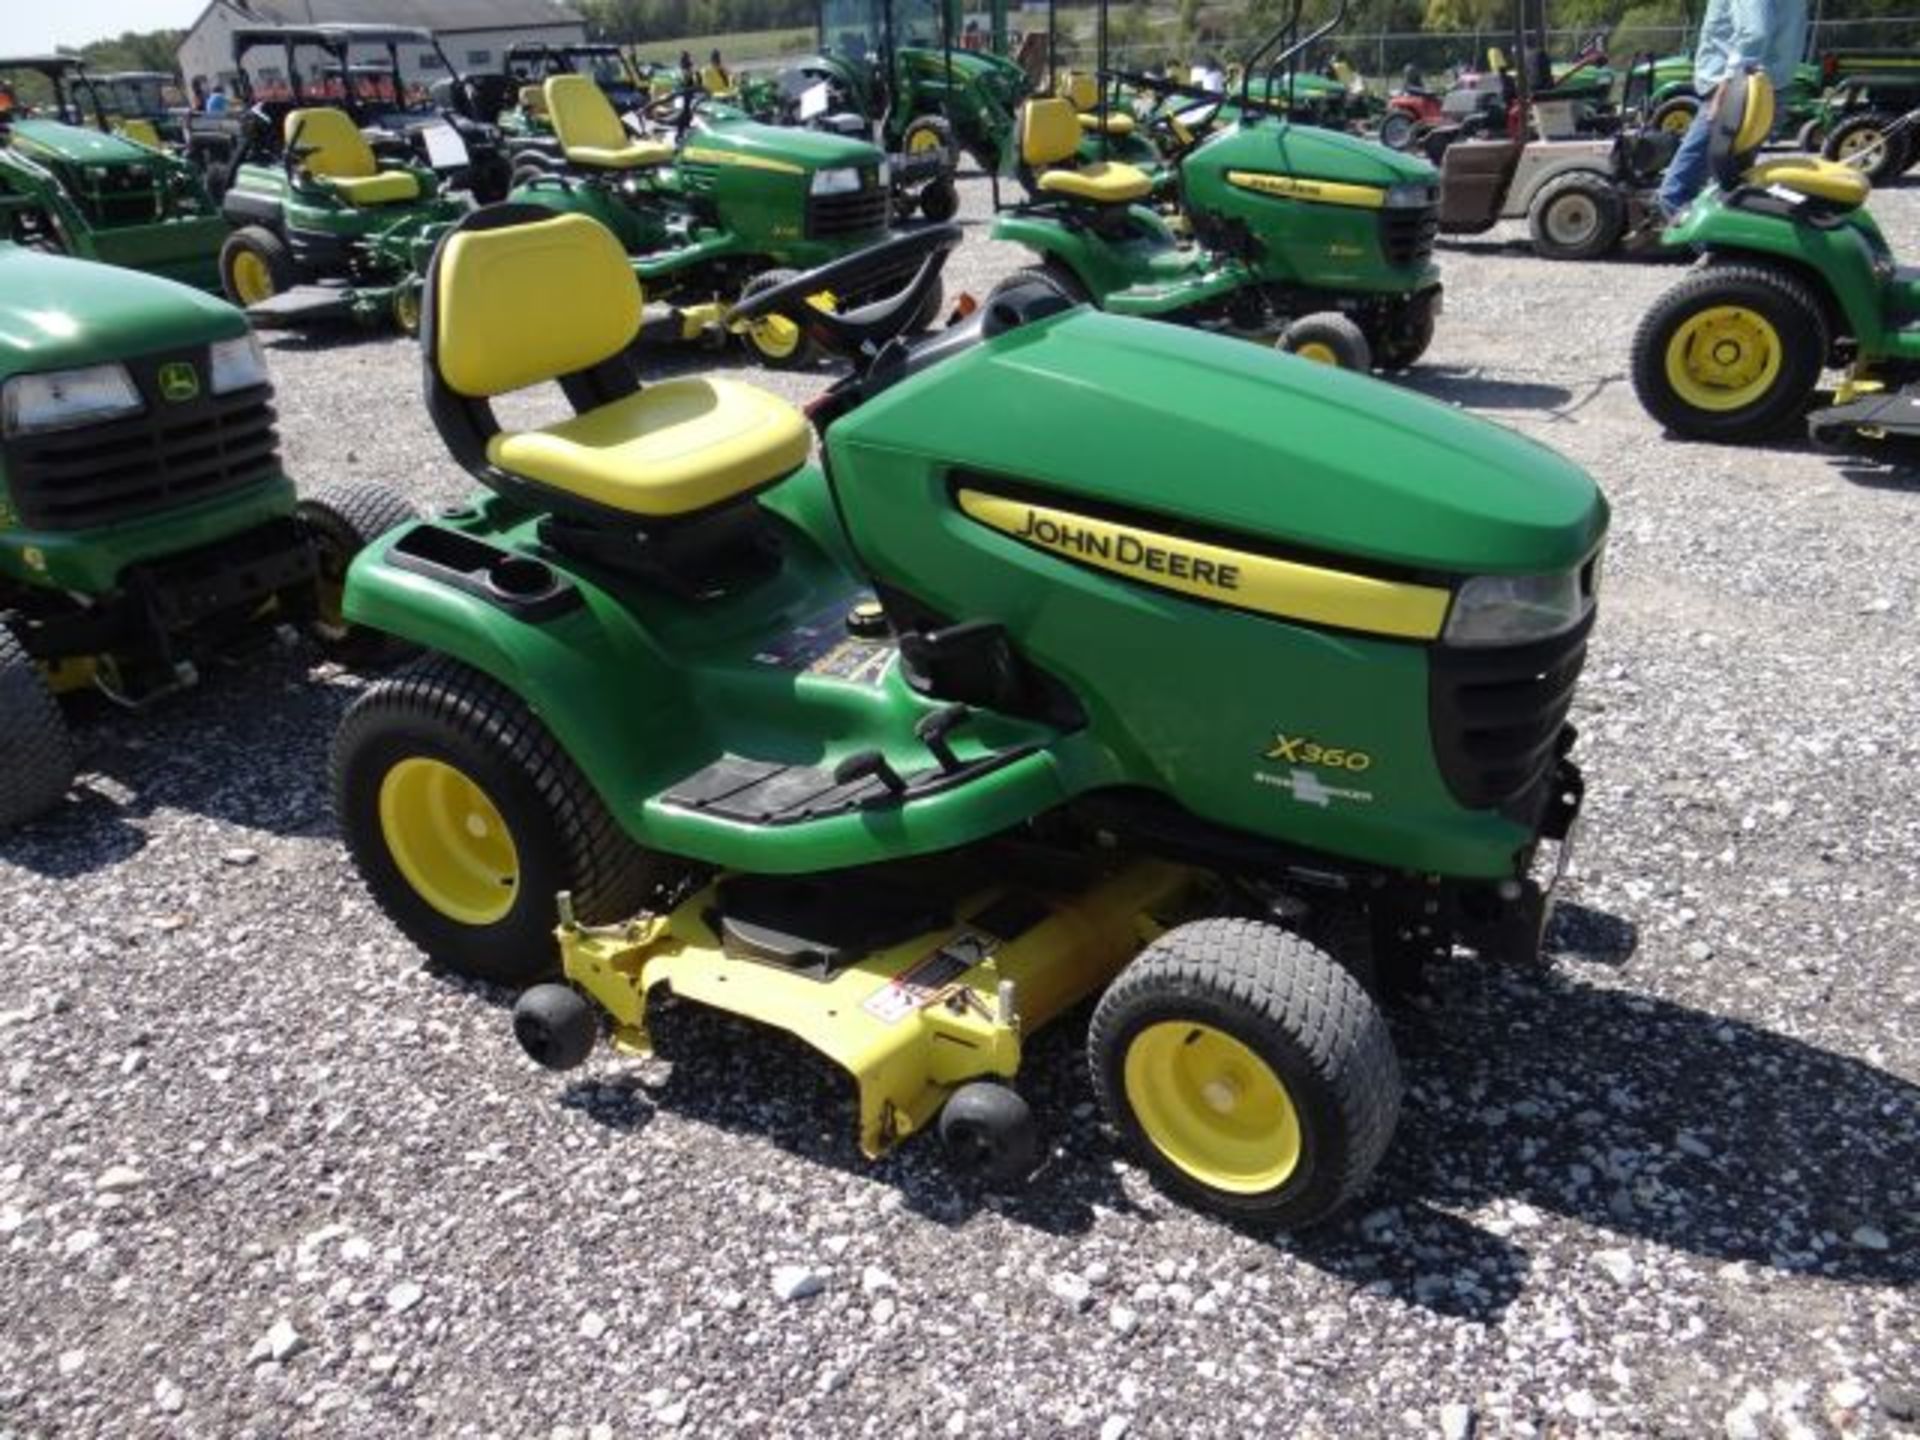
x,y
146,107
725,207
1306,235
1662,88
513,100
147,529
70,185
1093,660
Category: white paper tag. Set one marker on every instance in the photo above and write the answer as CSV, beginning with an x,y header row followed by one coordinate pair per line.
x,y
813,101
445,149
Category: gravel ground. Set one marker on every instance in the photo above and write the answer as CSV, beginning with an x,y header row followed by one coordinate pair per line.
x,y
262,1174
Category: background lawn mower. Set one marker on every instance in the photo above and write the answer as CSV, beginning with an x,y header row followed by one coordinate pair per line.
x,y
907,751
146,527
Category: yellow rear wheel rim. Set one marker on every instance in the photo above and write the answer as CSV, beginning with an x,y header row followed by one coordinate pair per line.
x,y
1212,1107
1724,358
449,841
1677,122
1319,352
252,280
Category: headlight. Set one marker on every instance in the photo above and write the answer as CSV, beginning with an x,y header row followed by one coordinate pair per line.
x,y
62,399
1414,195
836,182
238,364
1514,609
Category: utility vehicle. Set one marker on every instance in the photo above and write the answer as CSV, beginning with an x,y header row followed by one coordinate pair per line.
x,y
72,186
908,750
725,205
147,529
1796,277
1858,118
141,106
1311,235
327,229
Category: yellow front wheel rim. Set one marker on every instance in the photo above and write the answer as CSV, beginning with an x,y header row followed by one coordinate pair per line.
x,y
1677,122
252,280
1212,1107
406,311
774,336
1319,352
1724,358
449,841
922,141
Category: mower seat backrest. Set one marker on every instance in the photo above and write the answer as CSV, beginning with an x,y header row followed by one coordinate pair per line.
x,y
589,129
517,296
532,101
1082,90
1740,128
339,150
1049,132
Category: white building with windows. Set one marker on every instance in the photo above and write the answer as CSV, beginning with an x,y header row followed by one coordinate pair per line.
x,y
474,33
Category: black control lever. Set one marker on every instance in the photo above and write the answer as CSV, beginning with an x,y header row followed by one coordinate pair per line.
x,y
864,764
933,729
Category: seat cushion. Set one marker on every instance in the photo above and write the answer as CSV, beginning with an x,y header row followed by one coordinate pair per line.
x,y
671,449
634,156
389,187
1827,180
1117,123
1107,183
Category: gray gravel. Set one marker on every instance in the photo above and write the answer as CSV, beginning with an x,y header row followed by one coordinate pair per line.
x,y
260,1174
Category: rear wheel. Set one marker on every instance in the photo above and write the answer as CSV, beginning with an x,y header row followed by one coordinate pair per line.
x,y
1809,137
1328,338
1732,354
1405,338
1397,130
256,265
774,340
36,750
466,819
940,201
343,520
1248,1072
1675,116
1576,217
1864,142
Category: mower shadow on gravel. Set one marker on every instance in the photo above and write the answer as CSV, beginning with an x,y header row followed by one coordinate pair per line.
x,y
1469,386
248,748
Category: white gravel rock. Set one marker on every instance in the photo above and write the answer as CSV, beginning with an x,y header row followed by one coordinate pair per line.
x,y
403,1296
117,1178
798,1282
1456,1421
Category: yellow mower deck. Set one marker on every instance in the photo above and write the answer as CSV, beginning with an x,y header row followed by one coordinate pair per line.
x,y
910,1022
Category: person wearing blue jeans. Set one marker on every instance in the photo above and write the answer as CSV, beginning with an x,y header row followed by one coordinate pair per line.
x,y
1735,36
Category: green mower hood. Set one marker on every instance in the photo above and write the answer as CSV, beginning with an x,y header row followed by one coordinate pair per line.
x,y
55,140
753,143
57,312
1163,420
1312,152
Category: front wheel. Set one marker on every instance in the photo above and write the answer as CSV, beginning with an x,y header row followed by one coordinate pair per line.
x,y
1675,116
256,265
1329,338
1397,130
1576,217
1730,354
940,201
36,749
466,819
343,520
774,340
1405,338
1247,1071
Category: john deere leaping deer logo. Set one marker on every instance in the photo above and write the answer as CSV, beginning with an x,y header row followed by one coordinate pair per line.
x,y
179,381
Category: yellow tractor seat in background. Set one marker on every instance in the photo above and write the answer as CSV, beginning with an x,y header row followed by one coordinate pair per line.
x,y
590,132
716,82
1049,137
337,155
532,101
519,304
1118,122
1084,93
141,131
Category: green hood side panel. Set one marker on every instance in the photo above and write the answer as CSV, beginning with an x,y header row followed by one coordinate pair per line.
x,y
57,312
1298,454
55,140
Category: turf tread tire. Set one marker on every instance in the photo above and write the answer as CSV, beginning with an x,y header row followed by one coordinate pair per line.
x,y
36,748
1348,342
1804,339
272,250
610,877
349,516
1275,986
1605,200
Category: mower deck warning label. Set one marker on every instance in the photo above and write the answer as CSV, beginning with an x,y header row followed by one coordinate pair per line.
x,y
914,987
820,645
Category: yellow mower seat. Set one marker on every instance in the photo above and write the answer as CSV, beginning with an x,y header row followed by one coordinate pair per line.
x,y
589,131
1818,179
1118,123
1049,133
141,132
340,158
519,305
1084,94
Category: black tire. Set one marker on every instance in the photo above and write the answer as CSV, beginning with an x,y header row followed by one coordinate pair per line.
x,y
36,749
1676,115
1405,338
405,309
933,308
1810,137
925,132
556,1025
439,710
266,247
343,520
1788,306
1329,338
1398,130
1053,273
940,201
989,1134
1576,217
1852,142
763,339
1304,1018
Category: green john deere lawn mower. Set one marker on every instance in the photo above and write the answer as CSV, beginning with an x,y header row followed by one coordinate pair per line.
x,y
1796,276
1311,236
72,186
909,750
723,208
147,529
